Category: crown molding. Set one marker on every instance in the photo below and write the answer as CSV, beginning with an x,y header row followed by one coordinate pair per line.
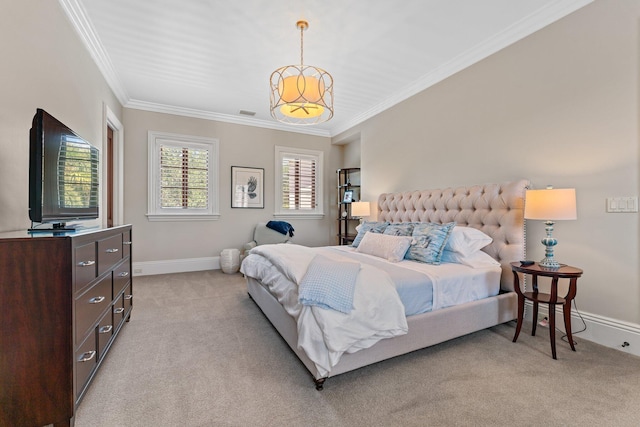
x,y
523,28
227,118
83,26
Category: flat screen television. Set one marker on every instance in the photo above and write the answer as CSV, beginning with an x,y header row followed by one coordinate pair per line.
x,y
63,175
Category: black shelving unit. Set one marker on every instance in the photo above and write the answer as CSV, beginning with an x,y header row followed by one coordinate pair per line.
x,y
348,180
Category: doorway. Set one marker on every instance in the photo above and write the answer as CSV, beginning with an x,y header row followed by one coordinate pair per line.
x,y
113,170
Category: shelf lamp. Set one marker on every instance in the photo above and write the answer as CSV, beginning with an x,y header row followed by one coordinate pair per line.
x,y
301,94
360,209
549,205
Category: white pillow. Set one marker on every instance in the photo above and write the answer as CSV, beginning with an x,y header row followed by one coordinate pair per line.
x,y
392,248
477,259
466,240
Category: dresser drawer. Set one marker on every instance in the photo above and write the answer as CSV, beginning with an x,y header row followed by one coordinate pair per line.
x,y
85,265
90,305
121,276
109,252
105,332
86,360
128,299
118,311
126,244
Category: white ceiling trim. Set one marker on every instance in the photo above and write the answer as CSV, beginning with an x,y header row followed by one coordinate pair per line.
x,y
227,118
515,32
534,22
78,17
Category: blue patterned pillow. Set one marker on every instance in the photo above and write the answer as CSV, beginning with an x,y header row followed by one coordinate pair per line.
x,y
400,229
428,242
374,227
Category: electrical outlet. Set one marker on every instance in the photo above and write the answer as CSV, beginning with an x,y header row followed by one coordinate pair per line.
x,y
137,270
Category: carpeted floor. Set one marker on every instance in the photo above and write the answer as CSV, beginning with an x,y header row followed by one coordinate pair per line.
x,y
199,352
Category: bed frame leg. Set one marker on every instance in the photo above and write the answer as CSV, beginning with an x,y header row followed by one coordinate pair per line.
x,y
319,383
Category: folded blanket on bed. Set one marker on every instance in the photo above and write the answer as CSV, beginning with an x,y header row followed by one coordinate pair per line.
x,y
329,284
281,227
325,335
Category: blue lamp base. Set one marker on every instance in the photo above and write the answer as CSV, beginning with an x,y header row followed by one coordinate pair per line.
x,y
549,242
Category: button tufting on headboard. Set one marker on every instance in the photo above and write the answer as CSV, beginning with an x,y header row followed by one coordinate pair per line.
x,y
496,209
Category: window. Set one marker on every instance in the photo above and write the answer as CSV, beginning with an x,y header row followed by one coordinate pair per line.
x,y
183,180
77,174
298,183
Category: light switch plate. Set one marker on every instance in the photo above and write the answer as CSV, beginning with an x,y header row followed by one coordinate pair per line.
x,y
622,204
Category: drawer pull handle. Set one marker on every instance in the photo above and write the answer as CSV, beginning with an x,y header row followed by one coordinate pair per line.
x,y
112,250
128,297
124,274
126,243
105,329
86,263
85,357
118,310
96,300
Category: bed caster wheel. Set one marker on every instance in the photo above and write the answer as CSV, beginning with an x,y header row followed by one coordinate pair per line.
x,y
319,383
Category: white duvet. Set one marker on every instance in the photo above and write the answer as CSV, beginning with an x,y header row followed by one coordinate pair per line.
x,y
324,334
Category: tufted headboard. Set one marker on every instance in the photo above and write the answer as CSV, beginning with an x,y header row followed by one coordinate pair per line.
x,y
495,209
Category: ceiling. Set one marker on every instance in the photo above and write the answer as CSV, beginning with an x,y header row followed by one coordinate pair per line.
x,y
213,58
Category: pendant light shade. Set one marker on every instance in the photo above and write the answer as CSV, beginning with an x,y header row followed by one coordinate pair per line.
x,y
301,94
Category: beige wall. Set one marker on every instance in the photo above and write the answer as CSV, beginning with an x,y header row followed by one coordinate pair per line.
x,y
351,154
44,65
239,146
51,69
559,107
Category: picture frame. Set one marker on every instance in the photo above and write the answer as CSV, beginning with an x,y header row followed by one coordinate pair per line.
x,y
247,187
348,196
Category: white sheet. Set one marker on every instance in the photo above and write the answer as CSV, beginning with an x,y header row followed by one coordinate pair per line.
x,y
324,334
453,284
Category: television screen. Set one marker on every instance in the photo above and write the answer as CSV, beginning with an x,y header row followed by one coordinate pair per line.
x,y
63,173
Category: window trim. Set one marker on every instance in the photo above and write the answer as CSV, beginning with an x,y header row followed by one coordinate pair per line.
x,y
318,212
154,211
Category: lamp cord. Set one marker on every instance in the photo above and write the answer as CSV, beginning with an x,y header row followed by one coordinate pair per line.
x,y
584,325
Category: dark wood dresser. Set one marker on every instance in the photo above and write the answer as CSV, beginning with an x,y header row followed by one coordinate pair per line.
x,y
63,299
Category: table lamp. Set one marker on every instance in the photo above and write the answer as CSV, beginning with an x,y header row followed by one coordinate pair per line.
x,y
549,205
360,209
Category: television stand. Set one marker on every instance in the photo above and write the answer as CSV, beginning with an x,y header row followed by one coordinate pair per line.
x,y
56,227
64,300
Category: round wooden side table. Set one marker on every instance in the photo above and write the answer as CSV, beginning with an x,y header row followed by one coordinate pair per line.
x,y
552,298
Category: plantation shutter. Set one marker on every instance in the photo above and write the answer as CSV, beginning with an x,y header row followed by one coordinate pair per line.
x,y
77,174
184,182
299,183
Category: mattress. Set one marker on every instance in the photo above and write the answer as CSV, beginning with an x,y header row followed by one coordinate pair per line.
x,y
453,283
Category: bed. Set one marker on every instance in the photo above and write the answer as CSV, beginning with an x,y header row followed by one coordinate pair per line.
x,y
494,209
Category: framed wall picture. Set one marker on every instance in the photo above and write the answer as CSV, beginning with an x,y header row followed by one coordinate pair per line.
x,y
348,196
247,187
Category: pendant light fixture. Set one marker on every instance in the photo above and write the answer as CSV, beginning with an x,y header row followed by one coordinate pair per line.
x,y
301,94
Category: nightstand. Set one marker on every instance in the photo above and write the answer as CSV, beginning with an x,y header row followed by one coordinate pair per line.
x,y
552,298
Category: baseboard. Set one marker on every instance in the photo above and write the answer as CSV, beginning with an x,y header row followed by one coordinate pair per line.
x,y
148,268
600,329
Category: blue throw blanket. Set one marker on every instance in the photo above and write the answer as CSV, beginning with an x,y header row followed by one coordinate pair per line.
x,y
329,284
414,288
281,227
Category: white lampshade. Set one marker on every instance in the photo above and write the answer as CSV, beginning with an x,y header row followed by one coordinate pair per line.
x,y
550,204
360,209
